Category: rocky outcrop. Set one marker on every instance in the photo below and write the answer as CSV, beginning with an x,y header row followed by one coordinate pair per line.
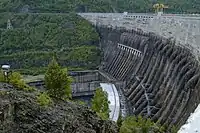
x,y
19,112
163,84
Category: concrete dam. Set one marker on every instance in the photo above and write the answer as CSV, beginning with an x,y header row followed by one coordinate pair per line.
x,y
160,79
152,61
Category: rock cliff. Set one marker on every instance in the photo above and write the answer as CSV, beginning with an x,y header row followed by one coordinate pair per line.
x,y
19,112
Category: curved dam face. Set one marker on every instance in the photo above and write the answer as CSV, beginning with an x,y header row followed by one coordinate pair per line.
x,y
162,80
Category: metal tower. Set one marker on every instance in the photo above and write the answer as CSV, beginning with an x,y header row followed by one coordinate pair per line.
x,y
9,25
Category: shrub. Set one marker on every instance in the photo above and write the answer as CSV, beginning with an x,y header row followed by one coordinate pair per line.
x,y
16,80
120,120
79,102
134,124
43,99
100,104
2,93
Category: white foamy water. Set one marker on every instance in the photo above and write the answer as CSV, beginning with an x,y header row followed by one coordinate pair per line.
x,y
193,123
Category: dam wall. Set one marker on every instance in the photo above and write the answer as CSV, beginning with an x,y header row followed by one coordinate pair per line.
x,y
163,83
183,28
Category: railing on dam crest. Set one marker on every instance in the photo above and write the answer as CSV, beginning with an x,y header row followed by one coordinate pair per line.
x,y
130,49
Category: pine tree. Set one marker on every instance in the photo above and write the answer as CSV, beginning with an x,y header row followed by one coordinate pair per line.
x,y
100,104
57,81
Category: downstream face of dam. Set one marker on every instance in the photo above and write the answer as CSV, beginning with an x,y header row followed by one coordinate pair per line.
x,y
162,80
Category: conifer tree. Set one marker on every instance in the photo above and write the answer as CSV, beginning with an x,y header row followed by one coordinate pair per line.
x,y
57,81
100,104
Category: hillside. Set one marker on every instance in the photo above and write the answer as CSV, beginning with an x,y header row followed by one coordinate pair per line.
x,y
20,112
35,38
65,6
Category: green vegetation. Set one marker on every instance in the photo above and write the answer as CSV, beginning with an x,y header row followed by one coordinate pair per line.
x,y
100,104
84,56
41,70
138,124
35,38
120,120
65,6
175,6
43,99
174,129
16,80
2,93
57,81
55,5
80,102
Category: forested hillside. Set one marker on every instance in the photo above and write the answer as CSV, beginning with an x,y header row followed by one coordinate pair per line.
x,y
175,6
35,38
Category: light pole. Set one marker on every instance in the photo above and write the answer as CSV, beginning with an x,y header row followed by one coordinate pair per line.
x,y
6,71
